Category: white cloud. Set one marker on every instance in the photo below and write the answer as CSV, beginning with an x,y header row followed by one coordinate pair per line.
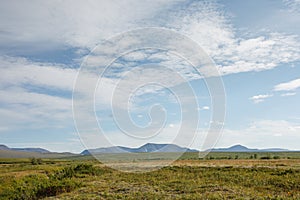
x,y
35,99
293,5
260,98
258,54
208,25
288,94
203,108
39,95
84,24
26,110
20,71
264,134
288,86
153,78
75,23
25,97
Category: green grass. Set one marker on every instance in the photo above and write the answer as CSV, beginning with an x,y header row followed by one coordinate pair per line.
x,y
243,155
188,178
140,157
45,181
193,182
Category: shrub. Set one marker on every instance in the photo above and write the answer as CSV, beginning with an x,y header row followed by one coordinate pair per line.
x,y
40,185
85,169
36,187
33,161
265,157
36,161
39,161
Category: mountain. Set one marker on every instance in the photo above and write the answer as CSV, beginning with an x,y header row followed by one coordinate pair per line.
x,y
240,148
6,152
149,147
274,150
116,149
235,148
3,147
38,150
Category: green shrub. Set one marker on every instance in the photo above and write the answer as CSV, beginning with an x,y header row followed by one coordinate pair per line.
x,y
33,161
85,169
41,185
67,172
36,161
265,157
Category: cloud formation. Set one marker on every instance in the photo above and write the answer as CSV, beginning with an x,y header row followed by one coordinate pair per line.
x,y
210,26
264,134
288,86
293,5
288,94
84,24
260,98
40,92
75,23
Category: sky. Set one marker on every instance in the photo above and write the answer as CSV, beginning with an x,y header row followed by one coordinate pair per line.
x,y
148,95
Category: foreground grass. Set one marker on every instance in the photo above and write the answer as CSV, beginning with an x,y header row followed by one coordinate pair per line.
x,y
186,182
186,179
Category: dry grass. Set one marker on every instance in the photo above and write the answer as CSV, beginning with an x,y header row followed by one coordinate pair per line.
x,y
184,179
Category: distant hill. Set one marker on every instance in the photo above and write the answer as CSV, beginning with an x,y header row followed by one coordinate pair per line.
x,y
240,148
24,154
3,147
38,150
6,152
149,147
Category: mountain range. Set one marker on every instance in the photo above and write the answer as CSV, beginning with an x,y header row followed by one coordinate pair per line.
x,y
39,150
240,148
149,147
6,152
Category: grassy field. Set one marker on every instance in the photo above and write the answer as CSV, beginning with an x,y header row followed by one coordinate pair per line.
x,y
217,176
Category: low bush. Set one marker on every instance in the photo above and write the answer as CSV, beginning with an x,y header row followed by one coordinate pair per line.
x,y
36,161
49,184
265,157
41,185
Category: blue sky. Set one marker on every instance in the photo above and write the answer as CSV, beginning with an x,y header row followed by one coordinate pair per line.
x,y
254,44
